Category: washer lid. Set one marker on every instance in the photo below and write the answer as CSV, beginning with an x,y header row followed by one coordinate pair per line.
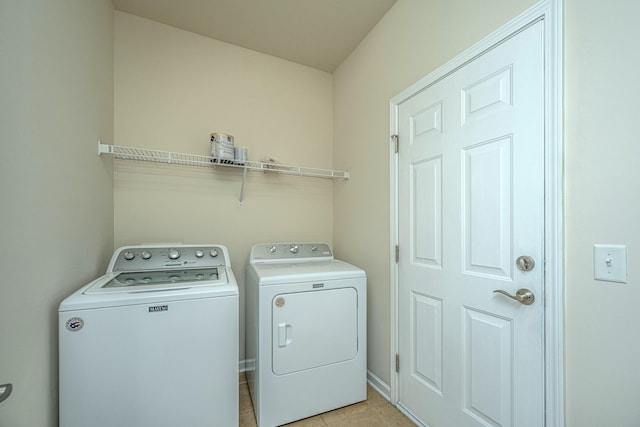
x,y
145,281
97,295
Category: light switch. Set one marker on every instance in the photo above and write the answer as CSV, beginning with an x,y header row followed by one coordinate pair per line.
x,y
610,263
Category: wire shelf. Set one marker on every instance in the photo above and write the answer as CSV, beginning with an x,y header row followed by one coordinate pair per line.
x,y
169,157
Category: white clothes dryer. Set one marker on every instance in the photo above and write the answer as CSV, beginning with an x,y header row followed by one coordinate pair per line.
x,y
306,340
153,342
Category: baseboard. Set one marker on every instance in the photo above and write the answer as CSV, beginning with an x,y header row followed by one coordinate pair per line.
x,y
385,391
410,416
379,385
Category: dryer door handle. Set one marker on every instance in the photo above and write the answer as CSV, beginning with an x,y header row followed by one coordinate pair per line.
x,y
285,334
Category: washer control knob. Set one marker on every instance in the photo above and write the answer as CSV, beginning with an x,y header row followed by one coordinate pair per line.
x,y
294,249
174,254
272,250
128,255
199,253
314,249
213,253
145,254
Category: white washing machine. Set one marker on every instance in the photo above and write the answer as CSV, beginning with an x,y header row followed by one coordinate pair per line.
x,y
306,337
153,342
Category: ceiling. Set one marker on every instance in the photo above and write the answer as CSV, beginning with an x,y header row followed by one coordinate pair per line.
x,y
316,33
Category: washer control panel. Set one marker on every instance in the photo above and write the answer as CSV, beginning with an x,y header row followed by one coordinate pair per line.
x,y
143,258
287,252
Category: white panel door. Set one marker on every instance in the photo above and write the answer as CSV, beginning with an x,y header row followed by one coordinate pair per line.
x,y
471,201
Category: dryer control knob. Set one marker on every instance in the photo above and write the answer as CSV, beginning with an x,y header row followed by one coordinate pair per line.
x,y
199,253
272,250
174,254
146,254
213,253
128,255
294,249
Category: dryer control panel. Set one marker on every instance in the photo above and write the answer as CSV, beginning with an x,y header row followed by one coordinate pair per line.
x,y
286,252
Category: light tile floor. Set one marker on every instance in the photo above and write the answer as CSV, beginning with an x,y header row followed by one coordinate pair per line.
x,y
376,411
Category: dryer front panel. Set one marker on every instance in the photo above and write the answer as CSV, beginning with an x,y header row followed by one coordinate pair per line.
x,y
313,329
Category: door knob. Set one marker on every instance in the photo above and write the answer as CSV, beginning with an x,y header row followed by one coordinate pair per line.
x,y
523,296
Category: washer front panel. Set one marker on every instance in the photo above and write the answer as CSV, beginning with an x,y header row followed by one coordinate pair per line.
x,y
159,363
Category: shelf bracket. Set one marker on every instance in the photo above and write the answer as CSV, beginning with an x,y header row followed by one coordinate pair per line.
x,y
104,148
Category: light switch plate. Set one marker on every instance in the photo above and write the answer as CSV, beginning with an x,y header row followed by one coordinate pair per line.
x,y
610,263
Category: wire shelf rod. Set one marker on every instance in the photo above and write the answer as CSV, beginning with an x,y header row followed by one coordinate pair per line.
x,y
169,157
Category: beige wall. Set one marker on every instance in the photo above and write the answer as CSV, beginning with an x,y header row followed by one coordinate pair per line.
x,y
56,221
172,89
602,205
414,38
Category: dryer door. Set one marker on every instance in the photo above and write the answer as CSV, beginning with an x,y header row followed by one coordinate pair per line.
x,y
313,329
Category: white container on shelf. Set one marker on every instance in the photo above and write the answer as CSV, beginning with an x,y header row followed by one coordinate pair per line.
x,y
240,155
222,149
223,138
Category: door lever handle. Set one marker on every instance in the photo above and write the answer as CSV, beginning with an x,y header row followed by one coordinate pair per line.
x,y
523,296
